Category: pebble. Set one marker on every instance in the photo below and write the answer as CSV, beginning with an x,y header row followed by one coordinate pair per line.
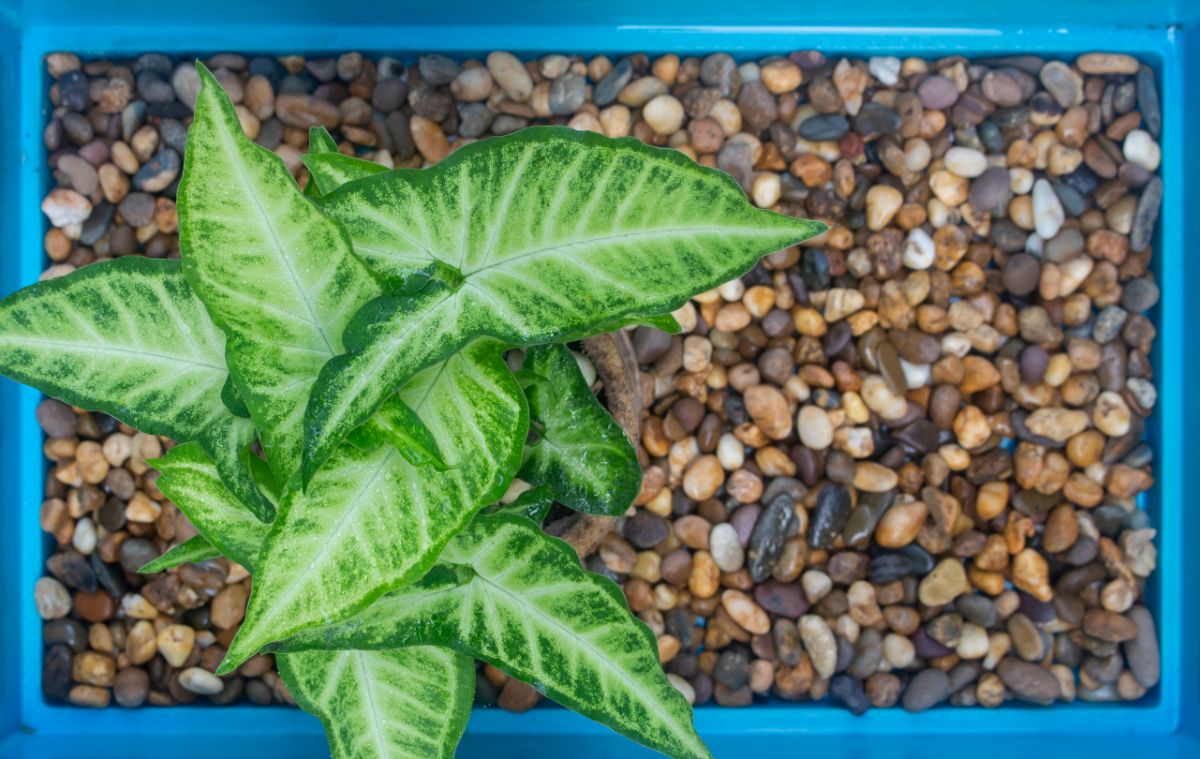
x,y
1028,681
829,515
664,114
937,93
824,127
1063,84
725,548
1048,214
819,643
882,204
65,208
511,75
131,687
51,598
200,681
946,582
1141,651
927,689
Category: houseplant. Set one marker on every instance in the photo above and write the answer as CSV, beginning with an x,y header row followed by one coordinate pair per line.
x,y
358,338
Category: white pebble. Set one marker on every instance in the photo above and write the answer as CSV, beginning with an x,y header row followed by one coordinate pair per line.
x,y
683,686
885,68
816,585
730,452
1140,148
201,681
973,643
84,538
919,250
1048,215
726,550
766,189
915,375
749,72
956,344
965,162
66,207
1020,181
732,291
898,650
815,427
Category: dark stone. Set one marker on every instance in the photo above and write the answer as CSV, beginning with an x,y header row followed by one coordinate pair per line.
x,y
66,631
977,608
1021,274
97,223
643,530
991,191
888,567
402,140
108,576
732,669
1147,100
874,120
783,599
56,673
73,570
827,126
436,69
158,172
607,89
860,525
766,540
1146,215
474,119
829,515
849,691
814,268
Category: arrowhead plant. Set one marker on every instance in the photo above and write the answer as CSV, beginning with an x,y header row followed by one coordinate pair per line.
x,y
331,364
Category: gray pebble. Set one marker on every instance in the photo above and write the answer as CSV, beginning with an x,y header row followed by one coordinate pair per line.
x,y
566,94
436,69
990,190
1146,215
1141,653
57,419
829,126
928,688
1108,324
1139,295
474,119
186,82
1147,100
605,92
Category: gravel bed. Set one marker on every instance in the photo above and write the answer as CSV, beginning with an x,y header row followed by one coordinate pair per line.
x,y
897,466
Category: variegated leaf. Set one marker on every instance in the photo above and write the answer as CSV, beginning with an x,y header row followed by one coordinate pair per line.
x,y
370,521
509,594
189,478
328,168
193,550
276,275
542,235
580,452
533,504
129,338
407,703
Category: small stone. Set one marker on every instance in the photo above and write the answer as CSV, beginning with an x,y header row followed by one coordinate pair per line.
x,y
1063,84
645,530
66,207
828,515
56,672
937,93
965,162
725,547
72,569
305,111
567,94
51,598
437,70
131,687
883,201
229,607
92,668
749,616
1109,625
990,191
175,642
919,250
1028,681
766,541
885,68
927,689
946,582
1141,651
57,419
1102,64
1048,214
1140,148
186,82
429,139
200,681
1146,215
819,643
664,114
511,75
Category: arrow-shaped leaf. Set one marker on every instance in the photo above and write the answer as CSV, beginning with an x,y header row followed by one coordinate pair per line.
x,y
276,275
541,235
328,168
580,451
519,599
129,338
409,702
398,704
370,521
194,549
189,478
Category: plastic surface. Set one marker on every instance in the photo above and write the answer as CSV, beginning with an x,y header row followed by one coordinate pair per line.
x,y
1165,724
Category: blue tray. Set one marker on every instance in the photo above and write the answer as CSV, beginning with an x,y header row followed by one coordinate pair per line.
x,y
1163,33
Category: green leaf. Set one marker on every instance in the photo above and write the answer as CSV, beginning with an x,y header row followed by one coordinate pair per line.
x,y
321,141
128,338
233,399
371,522
407,702
520,601
189,478
331,170
192,550
534,504
542,235
274,273
397,425
581,453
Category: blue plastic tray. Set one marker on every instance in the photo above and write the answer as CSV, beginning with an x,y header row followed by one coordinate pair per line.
x,y
1162,32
